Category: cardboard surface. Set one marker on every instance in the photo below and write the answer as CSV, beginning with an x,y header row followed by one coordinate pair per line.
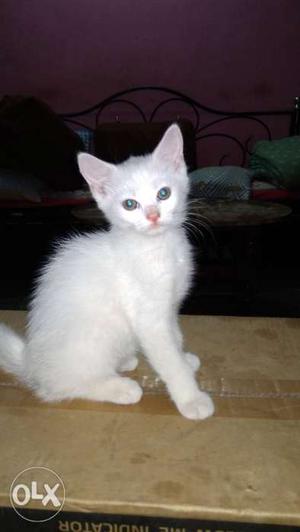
x,y
242,465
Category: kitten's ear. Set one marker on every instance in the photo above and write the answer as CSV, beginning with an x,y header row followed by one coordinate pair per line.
x,y
97,173
170,148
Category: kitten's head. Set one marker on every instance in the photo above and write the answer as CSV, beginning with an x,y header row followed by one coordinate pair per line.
x,y
146,193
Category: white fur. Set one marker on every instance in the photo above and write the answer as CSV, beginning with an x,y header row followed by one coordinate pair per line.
x,y
104,296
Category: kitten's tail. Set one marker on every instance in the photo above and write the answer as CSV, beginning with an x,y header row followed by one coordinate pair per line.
x,y
11,351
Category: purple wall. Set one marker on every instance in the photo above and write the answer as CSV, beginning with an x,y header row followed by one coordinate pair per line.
x,y
231,54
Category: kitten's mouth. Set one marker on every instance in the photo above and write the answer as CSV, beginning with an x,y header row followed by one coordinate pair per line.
x,y
154,226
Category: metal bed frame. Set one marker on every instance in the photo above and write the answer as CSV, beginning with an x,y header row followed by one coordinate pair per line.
x,y
205,119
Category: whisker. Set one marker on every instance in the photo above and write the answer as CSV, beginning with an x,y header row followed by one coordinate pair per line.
x,y
197,213
194,230
206,223
193,201
198,222
197,216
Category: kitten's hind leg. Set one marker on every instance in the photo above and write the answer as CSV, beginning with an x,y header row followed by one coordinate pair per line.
x,y
128,360
128,364
114,389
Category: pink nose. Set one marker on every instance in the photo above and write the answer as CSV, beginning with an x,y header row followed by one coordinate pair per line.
x,y
153,216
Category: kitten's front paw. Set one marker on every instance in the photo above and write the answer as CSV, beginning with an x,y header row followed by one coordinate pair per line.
x,y
193,361
199,408
127,392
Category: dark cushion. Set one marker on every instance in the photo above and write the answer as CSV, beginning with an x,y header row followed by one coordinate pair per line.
x,y
221,182
19,186
278,161
34,139
115,142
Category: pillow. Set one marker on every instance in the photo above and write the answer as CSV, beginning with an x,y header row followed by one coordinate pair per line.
x,y
34,139
116,141
221,182
278,161
17,186
86,135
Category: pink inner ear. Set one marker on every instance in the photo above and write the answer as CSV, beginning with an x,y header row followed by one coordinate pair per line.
x,y
97,188
97,173
178,161
170,148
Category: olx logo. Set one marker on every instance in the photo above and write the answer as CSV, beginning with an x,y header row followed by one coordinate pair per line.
x,y
37,488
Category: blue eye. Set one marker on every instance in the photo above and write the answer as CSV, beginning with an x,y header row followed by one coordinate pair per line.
x,y
164,193
130,204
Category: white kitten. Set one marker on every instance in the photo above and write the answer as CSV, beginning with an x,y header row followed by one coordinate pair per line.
x,y
104,296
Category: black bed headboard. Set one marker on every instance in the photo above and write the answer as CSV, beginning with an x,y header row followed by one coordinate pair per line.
x,y
222,136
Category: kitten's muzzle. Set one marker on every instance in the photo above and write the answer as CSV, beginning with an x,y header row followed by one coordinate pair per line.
x,y
152,214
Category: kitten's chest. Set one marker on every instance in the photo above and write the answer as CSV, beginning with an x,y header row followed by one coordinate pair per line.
x,y
160,264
